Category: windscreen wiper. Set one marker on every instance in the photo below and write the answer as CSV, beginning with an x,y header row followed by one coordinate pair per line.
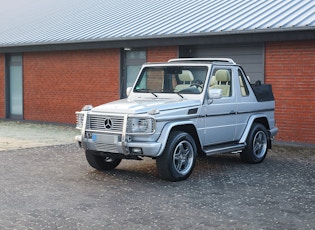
x,y
179,94
145,91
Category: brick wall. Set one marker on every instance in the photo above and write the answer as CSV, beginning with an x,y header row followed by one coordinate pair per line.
x,y
56,84
161,54
290,68
2,91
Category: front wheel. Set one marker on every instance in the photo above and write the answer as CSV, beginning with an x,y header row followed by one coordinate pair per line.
x,y
102,161
256,145
178,159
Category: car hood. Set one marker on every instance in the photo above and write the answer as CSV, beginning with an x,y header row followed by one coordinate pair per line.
x,y
140,106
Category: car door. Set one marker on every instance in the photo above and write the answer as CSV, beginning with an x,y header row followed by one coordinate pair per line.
x,y
220,114
246,102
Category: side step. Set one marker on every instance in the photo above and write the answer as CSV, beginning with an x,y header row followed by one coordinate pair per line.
x,y
223,149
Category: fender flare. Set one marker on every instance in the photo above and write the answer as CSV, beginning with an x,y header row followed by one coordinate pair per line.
x,y
249,125
166,132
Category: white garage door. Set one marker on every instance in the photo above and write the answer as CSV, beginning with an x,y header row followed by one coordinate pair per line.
x,y
250,57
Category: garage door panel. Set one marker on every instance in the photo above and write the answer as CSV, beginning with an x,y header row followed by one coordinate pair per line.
x,y
250,56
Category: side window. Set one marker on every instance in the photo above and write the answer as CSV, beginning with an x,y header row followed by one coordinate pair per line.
x,y
243,86
222,79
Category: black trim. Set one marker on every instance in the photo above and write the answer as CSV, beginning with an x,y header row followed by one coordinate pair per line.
x,y
171,40
240,112
256,111
221,114
179,119
193,111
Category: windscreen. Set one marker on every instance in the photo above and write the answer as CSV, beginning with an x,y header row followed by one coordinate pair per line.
x,y
172,79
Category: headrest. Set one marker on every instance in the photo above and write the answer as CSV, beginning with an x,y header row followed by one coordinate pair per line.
x,y
222,75
186,75
213,81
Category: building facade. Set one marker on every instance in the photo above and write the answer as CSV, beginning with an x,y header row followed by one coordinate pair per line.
x,y
48,81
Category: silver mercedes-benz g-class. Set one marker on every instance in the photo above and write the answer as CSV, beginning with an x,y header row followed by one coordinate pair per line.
x,y
177,110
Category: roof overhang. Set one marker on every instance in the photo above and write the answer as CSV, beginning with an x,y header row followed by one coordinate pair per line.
x,y
224,37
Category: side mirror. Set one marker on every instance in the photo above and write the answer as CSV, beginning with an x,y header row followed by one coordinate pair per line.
x,y
215,93
128,91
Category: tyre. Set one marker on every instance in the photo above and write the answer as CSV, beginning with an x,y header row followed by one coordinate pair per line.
x,y
178,159
256,145
101,162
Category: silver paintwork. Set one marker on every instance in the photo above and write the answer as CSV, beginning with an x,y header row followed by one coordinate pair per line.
x,y
220,124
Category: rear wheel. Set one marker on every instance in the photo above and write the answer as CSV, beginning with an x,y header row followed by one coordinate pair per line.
x,y
257,145
102,161
178,159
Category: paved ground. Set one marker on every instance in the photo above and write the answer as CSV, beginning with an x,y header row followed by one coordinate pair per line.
x,y
19,135
52,187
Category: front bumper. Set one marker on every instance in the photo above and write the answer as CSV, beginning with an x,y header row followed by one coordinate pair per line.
x,y
149,149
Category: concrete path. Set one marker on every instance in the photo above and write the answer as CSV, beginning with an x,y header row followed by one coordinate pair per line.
x,y
19,135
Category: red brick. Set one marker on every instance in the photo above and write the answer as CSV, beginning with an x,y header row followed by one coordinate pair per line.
x,y
161,54
290,68
56,84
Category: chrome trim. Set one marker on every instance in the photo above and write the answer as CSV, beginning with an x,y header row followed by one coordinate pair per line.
x,y
124,136
226,149
79,115
96,123
105,122
83,144
84,124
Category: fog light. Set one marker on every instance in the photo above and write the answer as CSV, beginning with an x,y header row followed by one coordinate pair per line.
x,y
136,150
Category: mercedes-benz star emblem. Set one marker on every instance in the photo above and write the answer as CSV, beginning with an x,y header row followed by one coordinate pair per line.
x,y
108,123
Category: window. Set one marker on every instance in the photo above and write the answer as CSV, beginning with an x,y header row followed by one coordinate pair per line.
x,y
132,62
243,86
14,86
221,79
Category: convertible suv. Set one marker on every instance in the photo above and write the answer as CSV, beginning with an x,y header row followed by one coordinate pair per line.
x,y
178,110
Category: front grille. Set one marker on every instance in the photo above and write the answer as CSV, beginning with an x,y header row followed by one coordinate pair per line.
x,y
105,123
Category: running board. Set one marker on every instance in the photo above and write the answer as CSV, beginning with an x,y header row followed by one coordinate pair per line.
x,y
224,149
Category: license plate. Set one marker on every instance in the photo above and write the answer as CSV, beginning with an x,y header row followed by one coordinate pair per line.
x,y
105,138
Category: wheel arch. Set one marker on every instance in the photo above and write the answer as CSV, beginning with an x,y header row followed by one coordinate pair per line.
x,y
183,126
190,129
263,121
258,118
